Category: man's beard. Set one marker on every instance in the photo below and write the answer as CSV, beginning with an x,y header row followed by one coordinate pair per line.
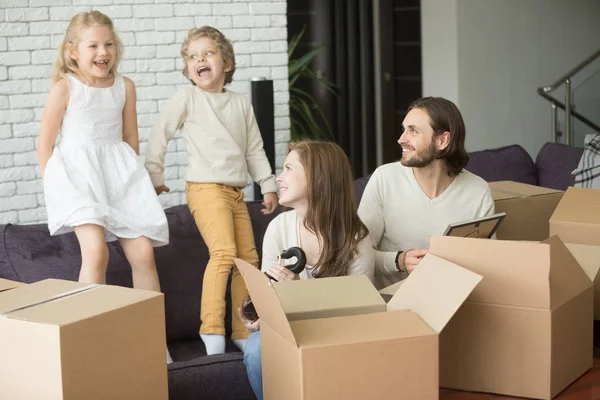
x,y
420,159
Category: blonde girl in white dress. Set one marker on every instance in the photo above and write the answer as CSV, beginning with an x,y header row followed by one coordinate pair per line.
x,y
93,182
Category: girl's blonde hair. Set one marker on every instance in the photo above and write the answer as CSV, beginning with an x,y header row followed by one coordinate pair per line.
x,y
64,63
224,47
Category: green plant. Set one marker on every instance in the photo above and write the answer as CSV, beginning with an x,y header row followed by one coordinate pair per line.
x,y
303,106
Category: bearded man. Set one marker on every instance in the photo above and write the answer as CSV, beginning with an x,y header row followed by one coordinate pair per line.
x,y
406,202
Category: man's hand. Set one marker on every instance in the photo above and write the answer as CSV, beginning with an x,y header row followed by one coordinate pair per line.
x,y
411,258
161,189
281,273
250,326
270,203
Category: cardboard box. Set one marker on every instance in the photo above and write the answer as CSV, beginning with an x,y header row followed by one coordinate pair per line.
x,y
335,338
528,209
526,330
589,259
577,217
68,340
6,284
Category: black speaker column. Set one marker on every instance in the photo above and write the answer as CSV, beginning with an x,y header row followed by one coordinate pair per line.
x,y
264,109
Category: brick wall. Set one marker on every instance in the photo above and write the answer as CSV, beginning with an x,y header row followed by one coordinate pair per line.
x,y
152,32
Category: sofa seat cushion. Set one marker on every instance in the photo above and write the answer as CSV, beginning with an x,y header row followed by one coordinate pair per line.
x,y
510,163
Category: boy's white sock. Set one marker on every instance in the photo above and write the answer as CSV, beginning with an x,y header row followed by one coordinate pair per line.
x,y
169,359
215,344
240,343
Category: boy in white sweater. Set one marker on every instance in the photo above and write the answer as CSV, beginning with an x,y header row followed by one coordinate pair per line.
x,y
224,145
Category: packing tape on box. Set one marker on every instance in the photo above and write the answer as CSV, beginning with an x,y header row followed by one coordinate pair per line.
x,y
58,296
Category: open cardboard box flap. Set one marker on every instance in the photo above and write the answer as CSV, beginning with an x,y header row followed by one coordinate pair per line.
x,y
6,284
520,274
510,190
435,290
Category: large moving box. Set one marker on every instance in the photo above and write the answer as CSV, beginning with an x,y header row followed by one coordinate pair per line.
x,y
335,338
577,217
528,209
526,330
589,259
68,340
6,284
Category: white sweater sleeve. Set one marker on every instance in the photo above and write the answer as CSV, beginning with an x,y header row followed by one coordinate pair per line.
x,y
273,242
371,213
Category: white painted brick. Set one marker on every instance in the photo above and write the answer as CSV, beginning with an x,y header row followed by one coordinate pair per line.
x,y
279,20
168,51
47,27
56,41
269,34
18,202
137,52
128,39
143,79
37,114
43,56
30,187
29,43
14,29
251,47
192,9
8,189
116,11
9,146
144,133
279,72
281,149
41,200
155,65
5,131
40,85
153,11
282,135
2,17
281,98
4,105
30,71
3,43
179,64
29,158
134,24
246,74
66,13
146,107
173,24
268,59
6,161
282,123
281,110
268,8
170,78
27,14
17,174
16,116
220,22
237,35
153,93
40,3
170,199
245,21
94,3
230,9
9,217
127,66
13,3
16,86
34,215
279,46
26,130
145,120
28,100
243,60
155,38
3,73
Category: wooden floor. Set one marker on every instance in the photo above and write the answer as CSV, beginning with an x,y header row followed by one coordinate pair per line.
x,y
585,388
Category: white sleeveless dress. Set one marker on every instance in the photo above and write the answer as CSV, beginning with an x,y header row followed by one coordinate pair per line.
x,y
94,177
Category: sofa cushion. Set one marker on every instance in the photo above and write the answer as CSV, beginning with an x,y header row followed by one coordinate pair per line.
x,y
510,163
555,162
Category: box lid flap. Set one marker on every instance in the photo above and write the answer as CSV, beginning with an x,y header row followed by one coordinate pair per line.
x,y
6,284
503,190
392,289
514,273
338,331
345,295
567,278
435,290
61,303
588,257
265,300
578,205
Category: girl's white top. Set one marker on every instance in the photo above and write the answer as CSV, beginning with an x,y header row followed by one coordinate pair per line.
x,y
94,176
